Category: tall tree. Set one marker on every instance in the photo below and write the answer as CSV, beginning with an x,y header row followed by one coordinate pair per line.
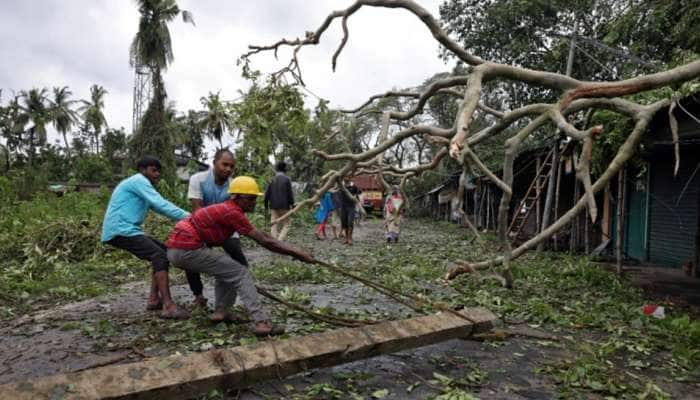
x,y
152,47
216,118
274,125
63,115
115,149
93,115
34,115
189,134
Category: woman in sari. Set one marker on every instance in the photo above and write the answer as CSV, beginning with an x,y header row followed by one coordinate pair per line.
x,y
393,210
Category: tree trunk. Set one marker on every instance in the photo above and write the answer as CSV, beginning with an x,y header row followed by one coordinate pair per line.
x,y
97,141
538,202
574,223
29,170
65,141
586,235
488,208
556,204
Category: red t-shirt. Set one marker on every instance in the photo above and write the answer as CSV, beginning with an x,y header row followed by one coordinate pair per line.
x,y
210,226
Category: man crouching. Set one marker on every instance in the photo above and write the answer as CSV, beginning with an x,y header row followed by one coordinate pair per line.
x,y
189,248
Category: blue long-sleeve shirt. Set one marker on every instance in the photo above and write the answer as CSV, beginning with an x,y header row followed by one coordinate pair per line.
x,y
130,202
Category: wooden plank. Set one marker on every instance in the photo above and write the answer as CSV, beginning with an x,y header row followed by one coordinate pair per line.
x,y
187,376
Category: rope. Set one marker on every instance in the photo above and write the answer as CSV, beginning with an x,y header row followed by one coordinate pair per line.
x,y
395,294
330,319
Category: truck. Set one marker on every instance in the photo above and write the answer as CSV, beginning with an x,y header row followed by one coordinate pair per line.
x,y
372,192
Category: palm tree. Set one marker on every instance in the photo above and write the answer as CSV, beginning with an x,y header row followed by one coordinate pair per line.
x,y
63,116
216,118
152,48
92,112
34,108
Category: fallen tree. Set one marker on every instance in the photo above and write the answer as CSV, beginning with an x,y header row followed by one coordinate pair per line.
x,y
462,141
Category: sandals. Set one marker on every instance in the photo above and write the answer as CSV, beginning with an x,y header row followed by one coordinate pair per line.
x,y
179,313
265,328
154,306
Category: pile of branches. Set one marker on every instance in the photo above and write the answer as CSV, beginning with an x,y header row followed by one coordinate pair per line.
x,y
40,247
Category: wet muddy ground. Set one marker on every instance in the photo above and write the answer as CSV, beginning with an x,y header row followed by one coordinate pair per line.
x,y
117,329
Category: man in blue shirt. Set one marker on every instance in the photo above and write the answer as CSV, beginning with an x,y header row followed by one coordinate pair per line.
x,y
207,188
127,209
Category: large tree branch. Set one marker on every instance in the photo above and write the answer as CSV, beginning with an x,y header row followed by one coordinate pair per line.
x,y
380,148
313,38
624,153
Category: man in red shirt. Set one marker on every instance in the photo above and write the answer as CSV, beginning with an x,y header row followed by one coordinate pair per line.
x,y
189,248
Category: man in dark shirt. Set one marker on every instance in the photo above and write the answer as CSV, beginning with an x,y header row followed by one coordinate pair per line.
x,y
279,198
347,211
189,248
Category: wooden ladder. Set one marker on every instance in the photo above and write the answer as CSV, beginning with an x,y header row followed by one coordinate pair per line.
x,y
529,202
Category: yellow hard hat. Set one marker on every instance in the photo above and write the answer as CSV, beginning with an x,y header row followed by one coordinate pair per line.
x,y
244,185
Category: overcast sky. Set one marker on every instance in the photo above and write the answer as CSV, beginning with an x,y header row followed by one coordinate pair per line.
x,y
76,43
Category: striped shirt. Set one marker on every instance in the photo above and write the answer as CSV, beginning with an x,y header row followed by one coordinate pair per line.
x,y
209,226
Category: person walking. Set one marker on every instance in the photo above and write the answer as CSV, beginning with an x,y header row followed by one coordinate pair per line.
x,y
190,248
336,225
323,213
279,199
393,211
121,228
347,211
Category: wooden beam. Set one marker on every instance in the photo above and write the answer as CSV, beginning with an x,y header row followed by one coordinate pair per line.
x,y
190,375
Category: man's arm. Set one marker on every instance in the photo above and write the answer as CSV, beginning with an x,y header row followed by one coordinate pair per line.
x,y
196,204
162,206
279,246
194,192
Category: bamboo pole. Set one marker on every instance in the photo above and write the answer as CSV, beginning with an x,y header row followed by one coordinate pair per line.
x,y
620,206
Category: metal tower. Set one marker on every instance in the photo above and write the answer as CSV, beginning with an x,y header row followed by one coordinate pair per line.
x,y
142,94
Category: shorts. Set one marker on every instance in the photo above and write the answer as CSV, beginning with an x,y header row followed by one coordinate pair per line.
x,y
347,217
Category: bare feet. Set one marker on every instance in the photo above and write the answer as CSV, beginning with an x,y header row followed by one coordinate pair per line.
x,y
265,328
172,311
200,302
154,305
223,315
